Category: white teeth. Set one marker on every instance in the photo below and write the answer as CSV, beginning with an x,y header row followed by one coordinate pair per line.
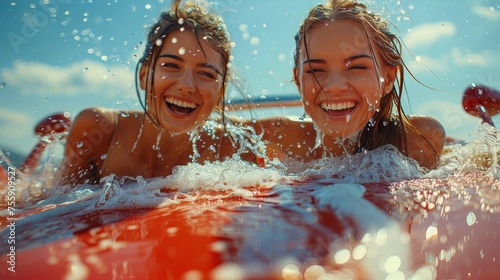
x,y
180,103
338,106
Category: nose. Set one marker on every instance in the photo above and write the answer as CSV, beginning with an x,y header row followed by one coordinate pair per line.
x,y
335,82
186,83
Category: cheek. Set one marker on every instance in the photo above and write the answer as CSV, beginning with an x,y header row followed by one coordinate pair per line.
x,y
307,88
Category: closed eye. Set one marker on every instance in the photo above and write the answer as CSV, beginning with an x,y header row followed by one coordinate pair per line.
x,y
358,67
314,70
169,65
208,75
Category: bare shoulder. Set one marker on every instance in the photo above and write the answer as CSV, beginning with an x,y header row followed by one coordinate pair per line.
x,y
91,117
426,141
430,128
425,122
88,139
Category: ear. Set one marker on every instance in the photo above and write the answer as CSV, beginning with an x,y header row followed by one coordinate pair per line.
x,y
390,77
143,73
295,77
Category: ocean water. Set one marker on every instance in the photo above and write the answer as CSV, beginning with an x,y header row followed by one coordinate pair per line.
x,y
376,215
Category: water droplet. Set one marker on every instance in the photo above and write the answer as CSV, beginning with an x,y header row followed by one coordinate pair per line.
x,y
471,219
85,69
290,272
104,156
181,21
124,114
148,6
182,50
255,41
347,118
314,272
79,144
392,264
2,85
174,40
342,256
359,252
159,42
432,231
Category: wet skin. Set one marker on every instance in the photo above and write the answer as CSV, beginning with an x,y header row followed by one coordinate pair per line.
x,y
187,82
186,86
341,85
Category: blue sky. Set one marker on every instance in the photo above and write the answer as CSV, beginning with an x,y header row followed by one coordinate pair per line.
x,y
63,55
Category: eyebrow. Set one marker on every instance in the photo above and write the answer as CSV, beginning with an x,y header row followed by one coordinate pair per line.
x,y
205,65
351,58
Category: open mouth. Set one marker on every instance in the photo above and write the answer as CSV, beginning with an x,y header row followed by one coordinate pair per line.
x,y
180,107
338,109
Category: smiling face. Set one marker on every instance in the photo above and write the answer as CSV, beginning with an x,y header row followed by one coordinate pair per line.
x,y
340,82
186,82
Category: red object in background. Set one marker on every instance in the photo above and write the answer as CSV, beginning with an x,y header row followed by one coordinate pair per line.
x,y
481,101
48,127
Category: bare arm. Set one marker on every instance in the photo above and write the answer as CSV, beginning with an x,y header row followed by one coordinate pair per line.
x,y
285,137
426,147
87,142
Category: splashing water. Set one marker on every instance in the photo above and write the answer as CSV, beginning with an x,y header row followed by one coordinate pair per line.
x,y
375,213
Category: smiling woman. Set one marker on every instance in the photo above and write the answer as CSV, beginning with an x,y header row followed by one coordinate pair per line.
x,y
183,74
349,72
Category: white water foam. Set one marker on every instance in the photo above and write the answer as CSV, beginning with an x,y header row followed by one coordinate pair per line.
x,y
336,184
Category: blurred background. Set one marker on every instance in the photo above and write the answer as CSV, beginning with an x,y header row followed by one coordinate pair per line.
x,y
68,55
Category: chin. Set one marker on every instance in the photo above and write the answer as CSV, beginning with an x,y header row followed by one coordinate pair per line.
x,y
341,133
177,128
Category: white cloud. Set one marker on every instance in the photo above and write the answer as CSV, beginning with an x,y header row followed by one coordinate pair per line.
x,y
428,33
8,115
487,12
82,77
456,58
13,126
464,58
429,64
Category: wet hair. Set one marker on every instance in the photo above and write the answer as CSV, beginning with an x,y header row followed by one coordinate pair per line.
x,y
390,123
205,26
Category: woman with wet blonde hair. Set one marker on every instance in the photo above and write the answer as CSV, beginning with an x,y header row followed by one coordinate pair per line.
x,y
350,74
